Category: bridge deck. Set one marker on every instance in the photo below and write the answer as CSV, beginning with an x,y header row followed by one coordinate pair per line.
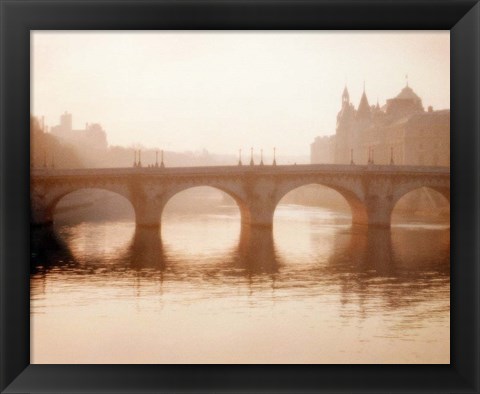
x,y
245,169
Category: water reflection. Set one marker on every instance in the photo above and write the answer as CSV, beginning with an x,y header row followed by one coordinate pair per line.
x,y
396,268
48,250
146,250
364,250
256,253
317,277
358,251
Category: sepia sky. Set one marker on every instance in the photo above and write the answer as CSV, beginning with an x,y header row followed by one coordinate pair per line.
x,y
221,91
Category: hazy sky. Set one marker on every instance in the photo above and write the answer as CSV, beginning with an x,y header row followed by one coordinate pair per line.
x,y
228,90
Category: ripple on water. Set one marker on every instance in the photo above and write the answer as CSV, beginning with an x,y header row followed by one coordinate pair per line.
x,y
318,289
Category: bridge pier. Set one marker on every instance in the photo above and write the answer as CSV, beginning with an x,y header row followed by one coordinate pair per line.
x,y
40,213
375,211
147,213
258,214
379,211
41,217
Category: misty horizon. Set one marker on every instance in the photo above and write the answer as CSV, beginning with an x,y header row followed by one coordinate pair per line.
x,y
234,154
218,91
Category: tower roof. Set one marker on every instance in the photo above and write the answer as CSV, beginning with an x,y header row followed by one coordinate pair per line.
x,y
407,93
363,107
406,102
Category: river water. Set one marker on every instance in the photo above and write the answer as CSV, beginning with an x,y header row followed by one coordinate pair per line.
x,y
317,290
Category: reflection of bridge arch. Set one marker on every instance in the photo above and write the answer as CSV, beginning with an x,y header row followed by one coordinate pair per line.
x,y
256,252
357,207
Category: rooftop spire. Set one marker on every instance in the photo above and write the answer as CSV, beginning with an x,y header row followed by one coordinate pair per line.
x,y
363,107
345,96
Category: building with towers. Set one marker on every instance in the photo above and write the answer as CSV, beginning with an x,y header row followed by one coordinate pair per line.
x,y
92,137
399,132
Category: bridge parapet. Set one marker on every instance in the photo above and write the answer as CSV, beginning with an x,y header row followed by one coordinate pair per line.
x,y
232,170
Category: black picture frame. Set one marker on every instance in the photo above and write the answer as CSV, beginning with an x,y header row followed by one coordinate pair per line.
x,y
18,17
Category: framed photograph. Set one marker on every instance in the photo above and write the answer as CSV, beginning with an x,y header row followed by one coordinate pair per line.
x,y
239,196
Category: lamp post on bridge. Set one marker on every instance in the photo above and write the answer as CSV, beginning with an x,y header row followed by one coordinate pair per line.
x,y
239,157
156,158
139,158
261,157
251,157
370,155
162,164
274,159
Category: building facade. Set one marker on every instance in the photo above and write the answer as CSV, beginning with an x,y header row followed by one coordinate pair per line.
x,y
400,132
92,137
322,150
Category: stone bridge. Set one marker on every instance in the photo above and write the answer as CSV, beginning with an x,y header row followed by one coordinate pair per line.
x,y
371,191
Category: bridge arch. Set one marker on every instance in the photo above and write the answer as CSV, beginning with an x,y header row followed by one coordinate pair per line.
x,y
415,192
44,203
192,212
240,202
352,198
126,208
407,187
371,192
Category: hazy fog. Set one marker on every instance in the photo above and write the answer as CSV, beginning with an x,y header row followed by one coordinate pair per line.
x,y
220,91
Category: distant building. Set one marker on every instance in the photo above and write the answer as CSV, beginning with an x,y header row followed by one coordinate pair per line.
x,y
401,131
322,150
92,137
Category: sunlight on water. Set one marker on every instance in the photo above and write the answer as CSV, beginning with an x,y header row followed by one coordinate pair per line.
x,y
316,291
